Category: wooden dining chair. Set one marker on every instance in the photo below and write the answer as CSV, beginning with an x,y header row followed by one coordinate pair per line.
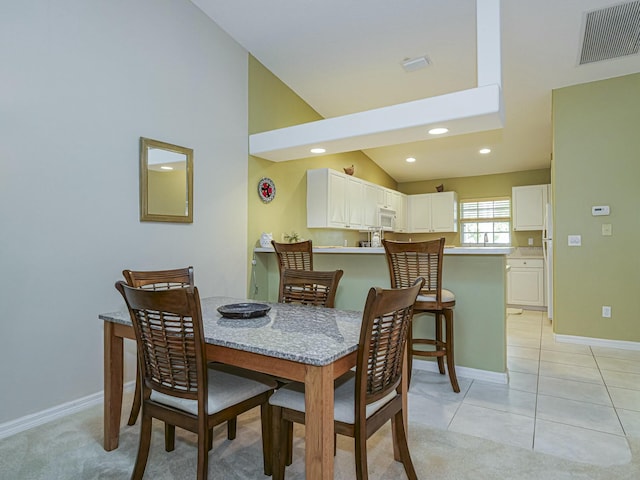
x,y
368,398
177,385
154,280
309,287
167,280
294,256
408,261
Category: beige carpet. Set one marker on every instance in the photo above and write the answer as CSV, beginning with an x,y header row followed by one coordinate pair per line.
x,y
72,449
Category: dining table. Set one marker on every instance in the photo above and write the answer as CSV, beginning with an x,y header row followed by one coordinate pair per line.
x,y
313,345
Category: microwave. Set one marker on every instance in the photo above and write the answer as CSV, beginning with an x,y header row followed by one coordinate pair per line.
x,y
386,218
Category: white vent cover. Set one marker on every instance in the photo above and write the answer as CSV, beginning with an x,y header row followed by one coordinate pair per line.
x,y
611,32
413,64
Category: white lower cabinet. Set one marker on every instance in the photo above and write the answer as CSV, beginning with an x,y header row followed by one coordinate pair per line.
x,y
525,282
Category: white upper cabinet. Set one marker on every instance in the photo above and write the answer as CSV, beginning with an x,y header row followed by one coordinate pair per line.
x,y
337,200
355,203
529,207
433,212
372,193
334,200
326,199
399,204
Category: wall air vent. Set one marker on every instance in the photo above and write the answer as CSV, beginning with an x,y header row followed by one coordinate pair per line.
x,y
611,32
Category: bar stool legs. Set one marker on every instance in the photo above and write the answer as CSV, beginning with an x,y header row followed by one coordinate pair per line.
x,y
443,346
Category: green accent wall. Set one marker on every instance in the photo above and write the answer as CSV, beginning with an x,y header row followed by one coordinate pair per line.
x,y
597,162
478,282
274,105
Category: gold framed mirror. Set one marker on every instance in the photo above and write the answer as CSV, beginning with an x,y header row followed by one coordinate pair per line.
x,y
166,182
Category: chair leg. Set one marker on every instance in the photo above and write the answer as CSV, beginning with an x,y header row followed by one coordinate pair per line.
x,y
451,364
362,472
143,448
169,437
267,441
210,440
232,426
203,454
400,439
137,395
289,443
438,319
409,352
281,445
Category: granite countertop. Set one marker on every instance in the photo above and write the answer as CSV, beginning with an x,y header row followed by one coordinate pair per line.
x,y
303,334
380,250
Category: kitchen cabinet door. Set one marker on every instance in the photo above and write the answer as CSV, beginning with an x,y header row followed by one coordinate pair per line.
x,y
370,208
334,200
399,204
419,213
525,282
529,207
355,203
326,199
444,212
433,212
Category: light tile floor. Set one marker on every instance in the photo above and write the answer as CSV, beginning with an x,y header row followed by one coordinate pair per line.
x,y
572,401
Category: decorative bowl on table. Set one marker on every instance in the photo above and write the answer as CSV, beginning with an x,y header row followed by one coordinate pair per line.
x,y
244,310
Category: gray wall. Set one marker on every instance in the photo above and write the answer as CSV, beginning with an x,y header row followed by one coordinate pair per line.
x,y
80,82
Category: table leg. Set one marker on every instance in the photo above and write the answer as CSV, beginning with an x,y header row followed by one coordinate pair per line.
x,y
113,373
319,430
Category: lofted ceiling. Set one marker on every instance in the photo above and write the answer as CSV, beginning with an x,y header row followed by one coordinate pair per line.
x,y
345,56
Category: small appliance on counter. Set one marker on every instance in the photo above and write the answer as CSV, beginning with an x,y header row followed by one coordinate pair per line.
x,y
265,239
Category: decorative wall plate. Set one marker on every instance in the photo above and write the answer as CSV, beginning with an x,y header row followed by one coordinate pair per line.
x,y
266,189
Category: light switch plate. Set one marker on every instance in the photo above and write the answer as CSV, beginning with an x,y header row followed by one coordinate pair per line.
x,y
600,210
606,230
575,240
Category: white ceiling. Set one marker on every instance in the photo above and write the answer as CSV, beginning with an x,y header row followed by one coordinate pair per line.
x,y
345,56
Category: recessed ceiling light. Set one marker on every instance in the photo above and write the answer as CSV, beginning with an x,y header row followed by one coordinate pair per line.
x,y
484,151
438,131
410,160
318,150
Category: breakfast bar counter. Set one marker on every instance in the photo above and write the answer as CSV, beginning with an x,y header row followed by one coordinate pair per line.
x,y
475,274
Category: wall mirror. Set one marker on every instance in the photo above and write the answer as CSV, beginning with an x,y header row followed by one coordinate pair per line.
x,y
166,182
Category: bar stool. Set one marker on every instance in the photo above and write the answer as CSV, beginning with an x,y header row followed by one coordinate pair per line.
x,y
408,261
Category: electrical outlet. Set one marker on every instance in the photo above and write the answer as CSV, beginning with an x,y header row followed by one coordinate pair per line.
x,y
606,311
575,240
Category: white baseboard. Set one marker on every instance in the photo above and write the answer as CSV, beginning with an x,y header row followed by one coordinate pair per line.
x,y
597,342
45,416
466,372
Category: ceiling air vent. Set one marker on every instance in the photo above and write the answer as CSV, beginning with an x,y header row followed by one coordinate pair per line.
x,y
611,32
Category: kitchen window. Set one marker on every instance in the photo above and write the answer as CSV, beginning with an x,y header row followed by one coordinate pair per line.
x,y
485,222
